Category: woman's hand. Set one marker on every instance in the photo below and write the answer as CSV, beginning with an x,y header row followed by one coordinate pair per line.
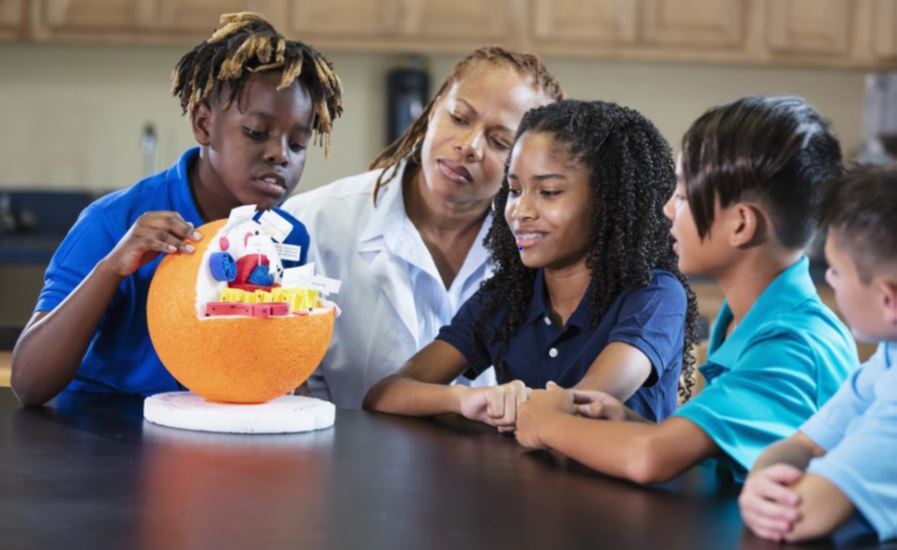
x,y
153,233
496,405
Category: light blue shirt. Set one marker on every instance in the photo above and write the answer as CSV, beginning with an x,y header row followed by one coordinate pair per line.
x,y
785,359
858,430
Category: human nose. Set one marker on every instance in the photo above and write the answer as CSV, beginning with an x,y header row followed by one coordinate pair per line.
x,y
472,144
669,209
521,207
276,151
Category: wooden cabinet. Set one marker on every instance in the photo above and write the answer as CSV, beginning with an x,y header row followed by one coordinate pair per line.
x,y
837,33
808,26
12,19
705,23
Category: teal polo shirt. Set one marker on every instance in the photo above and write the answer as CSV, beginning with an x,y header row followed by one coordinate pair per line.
x,y
788,356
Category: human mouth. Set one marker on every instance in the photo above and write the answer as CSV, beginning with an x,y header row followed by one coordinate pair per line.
x,y
453,171
271,184
527,239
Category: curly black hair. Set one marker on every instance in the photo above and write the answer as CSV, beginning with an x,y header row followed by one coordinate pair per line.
x,y
632,175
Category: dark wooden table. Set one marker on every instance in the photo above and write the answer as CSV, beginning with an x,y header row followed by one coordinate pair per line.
x,y
88,472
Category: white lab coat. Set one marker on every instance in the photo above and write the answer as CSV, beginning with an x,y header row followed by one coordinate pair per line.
x,y
392,298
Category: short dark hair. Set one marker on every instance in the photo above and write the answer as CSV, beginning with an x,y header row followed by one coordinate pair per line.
x,y
246,43
777,151
862,207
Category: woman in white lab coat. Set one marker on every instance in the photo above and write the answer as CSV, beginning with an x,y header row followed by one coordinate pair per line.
x,y
406,238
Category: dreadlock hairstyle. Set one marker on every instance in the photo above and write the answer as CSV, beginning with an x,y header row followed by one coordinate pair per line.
x,y
631,175
245,43
409,143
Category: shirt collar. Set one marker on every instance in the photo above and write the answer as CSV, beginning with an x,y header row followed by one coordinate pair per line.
x,y
179,193
787,291
539,310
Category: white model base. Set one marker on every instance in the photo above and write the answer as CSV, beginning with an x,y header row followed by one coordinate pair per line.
x,y
287,414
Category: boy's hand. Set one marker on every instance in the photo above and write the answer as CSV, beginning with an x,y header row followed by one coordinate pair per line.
x,y
597,404
152,233
768,505
538,408
495,405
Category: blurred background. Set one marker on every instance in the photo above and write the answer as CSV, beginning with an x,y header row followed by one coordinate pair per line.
x,y
84,104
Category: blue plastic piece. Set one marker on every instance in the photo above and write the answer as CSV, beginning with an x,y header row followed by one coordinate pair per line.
x,y
261,276
223,266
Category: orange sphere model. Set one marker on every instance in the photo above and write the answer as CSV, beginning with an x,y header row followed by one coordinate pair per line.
x,y
229,359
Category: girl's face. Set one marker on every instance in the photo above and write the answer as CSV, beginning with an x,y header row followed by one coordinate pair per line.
x,y
705,257
256,147
471,131
549,203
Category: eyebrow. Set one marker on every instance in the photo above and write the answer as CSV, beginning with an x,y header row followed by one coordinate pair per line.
x,y
501,127
541,177
268,117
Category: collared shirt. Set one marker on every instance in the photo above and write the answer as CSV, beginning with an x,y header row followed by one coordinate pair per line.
x,y
393,300
649,318
120,357
858,430
784,360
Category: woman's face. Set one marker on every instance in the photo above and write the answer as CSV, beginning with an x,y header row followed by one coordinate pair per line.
x,y
549,203
471,131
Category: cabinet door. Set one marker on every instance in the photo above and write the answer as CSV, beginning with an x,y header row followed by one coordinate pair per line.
x,y
11,19
583,22
884,32
61,16
466,20
716,23
200,17
808,26
333,20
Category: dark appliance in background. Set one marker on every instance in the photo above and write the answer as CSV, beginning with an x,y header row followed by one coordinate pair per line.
x,y
408,90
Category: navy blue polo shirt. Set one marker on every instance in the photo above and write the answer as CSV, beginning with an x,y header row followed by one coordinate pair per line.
x,y
120,357
650,318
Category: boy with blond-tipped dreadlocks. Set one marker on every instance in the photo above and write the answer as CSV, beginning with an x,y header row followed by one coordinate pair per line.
x,y
255,101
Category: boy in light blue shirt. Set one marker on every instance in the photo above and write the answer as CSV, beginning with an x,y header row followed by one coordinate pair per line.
x,y
844,458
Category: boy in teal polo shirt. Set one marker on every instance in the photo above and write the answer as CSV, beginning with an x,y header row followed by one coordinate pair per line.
x,y
843,459
741,215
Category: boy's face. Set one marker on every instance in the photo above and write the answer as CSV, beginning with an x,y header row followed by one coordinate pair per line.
x,y
706,257
549,203
257,146
471,130
867,307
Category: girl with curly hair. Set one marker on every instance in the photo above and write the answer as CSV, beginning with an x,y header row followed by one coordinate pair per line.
x,y
586,292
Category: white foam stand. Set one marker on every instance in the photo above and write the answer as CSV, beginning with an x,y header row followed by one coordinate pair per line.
x,y
286,414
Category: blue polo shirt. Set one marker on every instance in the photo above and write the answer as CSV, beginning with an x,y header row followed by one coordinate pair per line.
x,y
650,318
120,358
858,430
784,360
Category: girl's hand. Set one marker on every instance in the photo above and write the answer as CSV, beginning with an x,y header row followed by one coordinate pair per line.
x,y
768,505
152,233
495,405
538,409
597,404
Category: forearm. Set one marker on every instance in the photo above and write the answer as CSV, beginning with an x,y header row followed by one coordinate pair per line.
x,y
402,395
639,452
796,451
823,507
49,351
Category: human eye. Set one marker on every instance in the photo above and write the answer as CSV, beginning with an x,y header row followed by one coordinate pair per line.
x,y
256,135
550,193
295,146
513,192
499,144
457,119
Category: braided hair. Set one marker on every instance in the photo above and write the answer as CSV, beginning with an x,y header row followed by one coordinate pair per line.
x,y
631,175
246,43
409,143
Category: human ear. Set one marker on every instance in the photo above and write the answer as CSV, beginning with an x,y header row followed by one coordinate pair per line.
x,y
201,120
888,289
750,226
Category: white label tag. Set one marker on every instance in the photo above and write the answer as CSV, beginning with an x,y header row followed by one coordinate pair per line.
x,y
325,285
241,213
289,252
297,277
256,244
275,225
